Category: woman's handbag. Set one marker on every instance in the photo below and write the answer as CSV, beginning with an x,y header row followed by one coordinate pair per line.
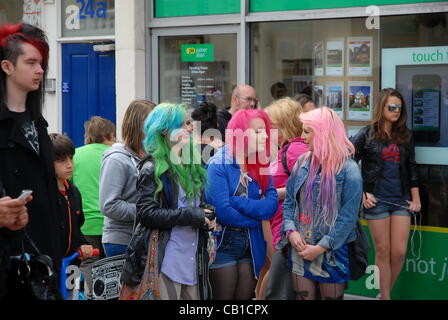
x,y
148,288
32,276
212,243
358,253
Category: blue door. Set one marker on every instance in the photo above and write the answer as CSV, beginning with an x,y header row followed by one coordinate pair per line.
x,y
88,88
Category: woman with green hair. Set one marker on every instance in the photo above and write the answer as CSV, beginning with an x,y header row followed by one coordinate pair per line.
x,y
169,198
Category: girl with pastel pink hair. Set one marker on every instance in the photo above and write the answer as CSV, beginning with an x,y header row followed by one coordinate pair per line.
x,y
323,197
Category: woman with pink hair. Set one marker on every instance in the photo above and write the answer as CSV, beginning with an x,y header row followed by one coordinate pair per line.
x,y
323,197
241,188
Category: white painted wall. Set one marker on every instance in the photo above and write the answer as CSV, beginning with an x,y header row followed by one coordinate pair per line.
x,y
52,109
130,53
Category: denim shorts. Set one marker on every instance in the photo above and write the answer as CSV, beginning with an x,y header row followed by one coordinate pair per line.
x,y
383,211
234,249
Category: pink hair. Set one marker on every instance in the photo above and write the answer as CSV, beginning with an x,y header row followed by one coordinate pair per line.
x,y
235,136
331,148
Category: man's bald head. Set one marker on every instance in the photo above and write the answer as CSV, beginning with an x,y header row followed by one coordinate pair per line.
x,y
244,96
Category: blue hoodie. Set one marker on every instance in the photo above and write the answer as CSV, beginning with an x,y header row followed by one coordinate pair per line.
x,y
223,177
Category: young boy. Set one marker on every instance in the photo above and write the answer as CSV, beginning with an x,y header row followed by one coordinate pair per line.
x,y
69,198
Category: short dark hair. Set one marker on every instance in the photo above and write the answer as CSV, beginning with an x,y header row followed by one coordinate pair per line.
x,y
206,113
62,145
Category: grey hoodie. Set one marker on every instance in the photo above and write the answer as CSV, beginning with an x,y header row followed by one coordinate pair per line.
x,y
118,193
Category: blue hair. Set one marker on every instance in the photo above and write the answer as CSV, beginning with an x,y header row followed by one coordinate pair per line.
x,y
164,120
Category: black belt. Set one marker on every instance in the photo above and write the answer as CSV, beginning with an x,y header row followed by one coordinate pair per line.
x,y
236,229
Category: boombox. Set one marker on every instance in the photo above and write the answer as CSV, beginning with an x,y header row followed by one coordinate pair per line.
x,y
106,275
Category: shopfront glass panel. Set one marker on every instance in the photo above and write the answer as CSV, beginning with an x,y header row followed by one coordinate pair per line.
x,y
197,68
339,63
419,46
16,11
11,11
81,18
334,61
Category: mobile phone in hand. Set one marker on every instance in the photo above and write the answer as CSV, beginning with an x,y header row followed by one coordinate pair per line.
x,y
25,193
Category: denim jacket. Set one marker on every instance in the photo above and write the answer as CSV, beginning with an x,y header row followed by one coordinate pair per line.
x,y
348,199
223,176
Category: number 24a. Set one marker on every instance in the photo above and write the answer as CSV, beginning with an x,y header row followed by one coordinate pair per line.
x,y
87,9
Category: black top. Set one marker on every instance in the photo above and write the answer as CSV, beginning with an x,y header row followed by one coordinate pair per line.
x,y
224,117
23,168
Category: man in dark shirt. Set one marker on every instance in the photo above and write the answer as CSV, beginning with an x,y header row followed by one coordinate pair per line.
x,y
26,152
243,97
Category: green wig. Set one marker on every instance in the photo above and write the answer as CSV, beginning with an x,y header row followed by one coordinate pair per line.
x,y
163,121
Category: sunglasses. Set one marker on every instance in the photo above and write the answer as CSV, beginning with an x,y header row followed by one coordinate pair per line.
x,y
393,107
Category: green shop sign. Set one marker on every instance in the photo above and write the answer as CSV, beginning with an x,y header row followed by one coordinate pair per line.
x,y
425,270
263,5
197,52
181,8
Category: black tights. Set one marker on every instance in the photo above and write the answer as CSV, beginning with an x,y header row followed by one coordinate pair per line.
x,y
233,283
305,289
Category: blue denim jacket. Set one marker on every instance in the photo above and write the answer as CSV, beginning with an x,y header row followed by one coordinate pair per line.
x,y
223,177
349,192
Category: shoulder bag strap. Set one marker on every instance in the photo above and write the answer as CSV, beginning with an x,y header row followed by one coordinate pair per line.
x,y
284,162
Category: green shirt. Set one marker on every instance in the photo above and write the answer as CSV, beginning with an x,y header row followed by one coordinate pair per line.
x,y
86,176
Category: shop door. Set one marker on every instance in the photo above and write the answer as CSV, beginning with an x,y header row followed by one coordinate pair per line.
x,y
88,87
192,65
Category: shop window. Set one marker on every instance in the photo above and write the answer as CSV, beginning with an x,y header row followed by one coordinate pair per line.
x,y
197,68
334,61
339,63
415,60
16,11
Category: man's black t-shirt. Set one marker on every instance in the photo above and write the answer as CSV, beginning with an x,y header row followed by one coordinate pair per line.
x,y
29,128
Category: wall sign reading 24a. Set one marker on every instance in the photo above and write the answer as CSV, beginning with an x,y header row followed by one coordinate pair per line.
x,y
89,9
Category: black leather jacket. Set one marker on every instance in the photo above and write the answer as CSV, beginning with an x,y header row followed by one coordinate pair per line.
x,y
370,152
163,214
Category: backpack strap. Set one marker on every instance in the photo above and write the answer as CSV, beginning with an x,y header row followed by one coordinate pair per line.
x,y
284,162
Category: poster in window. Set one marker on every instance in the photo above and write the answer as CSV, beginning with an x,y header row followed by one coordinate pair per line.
x,y
360,56
335,57
334,97
360,100
318,54
318,95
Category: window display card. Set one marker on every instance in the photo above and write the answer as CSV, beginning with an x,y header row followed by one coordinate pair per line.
x,y
360,100
360,56
318,95
334,94
318,55
335,57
